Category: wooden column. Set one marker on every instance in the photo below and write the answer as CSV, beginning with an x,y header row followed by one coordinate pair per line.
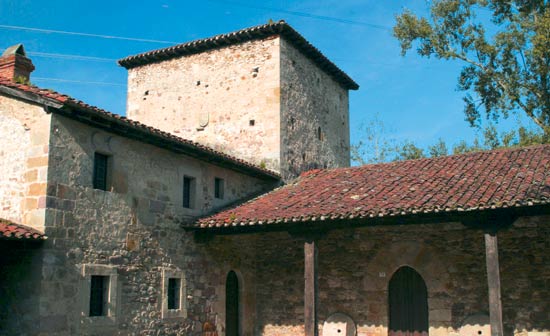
x,y
493,281
310,288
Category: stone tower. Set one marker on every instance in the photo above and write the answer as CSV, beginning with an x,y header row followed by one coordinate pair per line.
x,y
263,94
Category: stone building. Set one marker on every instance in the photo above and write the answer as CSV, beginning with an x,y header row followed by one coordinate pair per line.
x,y
224,205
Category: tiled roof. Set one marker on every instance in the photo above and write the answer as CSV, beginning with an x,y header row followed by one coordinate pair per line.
x,y
122,125
10,230
462,183
280,28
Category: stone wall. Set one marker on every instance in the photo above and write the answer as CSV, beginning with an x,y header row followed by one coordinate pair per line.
x,y
262,101
133,231
23,161
227,98
356,265
314,116
524,258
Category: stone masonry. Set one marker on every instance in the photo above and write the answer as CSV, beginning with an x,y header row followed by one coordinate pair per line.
x,y
24,164
261,100
133,229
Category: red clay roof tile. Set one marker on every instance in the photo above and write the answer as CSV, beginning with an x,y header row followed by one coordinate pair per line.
x,y
10,230
469,182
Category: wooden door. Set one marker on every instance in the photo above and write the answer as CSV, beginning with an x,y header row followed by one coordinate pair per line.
x,y
408,304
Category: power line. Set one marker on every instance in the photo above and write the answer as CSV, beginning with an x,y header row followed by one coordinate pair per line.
x,y
303,14
46,79
71,57
112,37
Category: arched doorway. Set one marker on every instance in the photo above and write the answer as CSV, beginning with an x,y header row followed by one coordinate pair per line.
x,y
408,303
232,323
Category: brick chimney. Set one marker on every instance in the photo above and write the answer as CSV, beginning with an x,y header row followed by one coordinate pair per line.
x,y
15,65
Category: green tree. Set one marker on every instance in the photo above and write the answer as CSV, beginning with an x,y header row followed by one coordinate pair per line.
x,y
408,151
506,57
374,146
438,149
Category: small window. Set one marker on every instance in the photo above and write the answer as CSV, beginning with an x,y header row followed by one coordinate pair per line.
x,y
218,188
174,289
319,133
252,122
173,294
188,192
101,171
99,293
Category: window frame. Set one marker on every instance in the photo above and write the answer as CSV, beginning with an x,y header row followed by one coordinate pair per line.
x,y
180,312
112,298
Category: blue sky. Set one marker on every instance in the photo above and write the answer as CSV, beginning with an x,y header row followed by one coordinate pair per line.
x,y
415,98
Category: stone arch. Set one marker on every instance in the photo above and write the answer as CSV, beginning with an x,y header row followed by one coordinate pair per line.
x,y
424,259
427,261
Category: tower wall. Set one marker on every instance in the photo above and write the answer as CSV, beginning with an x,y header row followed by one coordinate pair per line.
x,y
226,98
314,118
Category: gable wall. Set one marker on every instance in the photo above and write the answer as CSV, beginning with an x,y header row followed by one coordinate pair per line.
x,y
25,130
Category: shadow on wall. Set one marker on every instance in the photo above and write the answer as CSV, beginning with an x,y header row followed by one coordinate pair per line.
x,y
20,265
356,267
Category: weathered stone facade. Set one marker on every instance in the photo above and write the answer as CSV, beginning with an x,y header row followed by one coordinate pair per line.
x,y
133,229
356,265
262,100
24,164
314,116
213,97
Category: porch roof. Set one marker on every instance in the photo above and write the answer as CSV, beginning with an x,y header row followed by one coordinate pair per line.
x,y
498,179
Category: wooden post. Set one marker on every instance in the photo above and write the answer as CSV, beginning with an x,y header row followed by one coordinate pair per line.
x,y
493,282
310,289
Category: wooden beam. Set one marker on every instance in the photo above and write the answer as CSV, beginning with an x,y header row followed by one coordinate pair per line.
x,y
493,282
310,288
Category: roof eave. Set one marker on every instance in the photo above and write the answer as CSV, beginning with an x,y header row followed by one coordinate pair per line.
x,y
122,128
472,218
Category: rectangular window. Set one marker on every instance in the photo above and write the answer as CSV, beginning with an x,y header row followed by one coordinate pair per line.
x,y
99,294
188,192
174,289
101,168
172,296
218,188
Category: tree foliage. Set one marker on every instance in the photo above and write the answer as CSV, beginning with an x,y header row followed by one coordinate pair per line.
x,y
377,145
505,46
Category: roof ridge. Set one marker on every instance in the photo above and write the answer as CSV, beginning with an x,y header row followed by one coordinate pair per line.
x,y
473,153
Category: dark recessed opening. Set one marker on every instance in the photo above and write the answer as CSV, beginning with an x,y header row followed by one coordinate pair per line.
x,y
218,187
251,122
174,286
99,289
